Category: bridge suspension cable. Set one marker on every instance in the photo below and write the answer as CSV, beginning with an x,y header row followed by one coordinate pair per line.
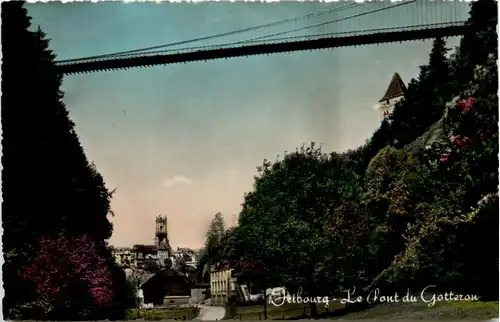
x,y
229,33
325,23
255,40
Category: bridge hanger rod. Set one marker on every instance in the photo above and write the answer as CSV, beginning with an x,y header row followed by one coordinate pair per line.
x,y
256,40
325,23
307,16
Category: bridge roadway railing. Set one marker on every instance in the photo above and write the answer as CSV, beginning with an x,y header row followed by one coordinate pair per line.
x,y
259,47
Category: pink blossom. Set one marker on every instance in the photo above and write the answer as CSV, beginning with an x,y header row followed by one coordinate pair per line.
x,y
62,259
464,143
461,143
465,105
444,157
101,295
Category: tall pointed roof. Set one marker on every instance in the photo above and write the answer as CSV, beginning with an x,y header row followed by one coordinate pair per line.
x,y
396,88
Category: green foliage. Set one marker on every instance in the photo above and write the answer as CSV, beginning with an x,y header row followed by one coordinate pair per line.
x,y
159,315
211,253
424,102
413,207
49,187
215,233
295,231
479,41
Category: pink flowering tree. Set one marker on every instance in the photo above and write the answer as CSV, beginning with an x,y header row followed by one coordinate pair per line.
x,y
468,159
471,127
458,199
71,275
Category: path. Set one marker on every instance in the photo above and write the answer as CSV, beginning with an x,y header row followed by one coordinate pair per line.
x,y
211,313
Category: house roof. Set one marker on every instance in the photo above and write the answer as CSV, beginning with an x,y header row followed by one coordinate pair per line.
x,y
166,275
396,88
145,248
138,275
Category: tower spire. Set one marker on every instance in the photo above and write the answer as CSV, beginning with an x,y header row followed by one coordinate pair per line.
x,y
395,93
395,89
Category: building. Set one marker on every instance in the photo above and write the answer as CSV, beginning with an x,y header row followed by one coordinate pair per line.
x,y
139,276
222,286
144,254
158,252
159,255
167,287
395,93
124,257
161,239
185,256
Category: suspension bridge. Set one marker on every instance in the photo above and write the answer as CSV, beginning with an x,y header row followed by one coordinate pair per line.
x,y
353,24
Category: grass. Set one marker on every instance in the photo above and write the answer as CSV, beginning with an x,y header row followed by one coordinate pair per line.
x,y
420,311
284,312
391,311
184,313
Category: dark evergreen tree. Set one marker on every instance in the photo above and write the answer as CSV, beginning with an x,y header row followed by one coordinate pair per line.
x,y
49,187
425,100
479,40
380,138
438,80
439,75
17,42
404,118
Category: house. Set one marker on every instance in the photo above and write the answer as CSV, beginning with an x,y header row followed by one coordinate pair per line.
x,y
143,253
124,256
185,256
394,94
222,285
167,287
138,276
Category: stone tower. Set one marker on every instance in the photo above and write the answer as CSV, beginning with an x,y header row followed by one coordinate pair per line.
x,y
161,233
394,93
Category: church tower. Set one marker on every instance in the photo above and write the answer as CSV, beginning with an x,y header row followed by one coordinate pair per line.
x,y
161,233
394,94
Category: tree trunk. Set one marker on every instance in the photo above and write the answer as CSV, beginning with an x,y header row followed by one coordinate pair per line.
x,y
314,310
312,293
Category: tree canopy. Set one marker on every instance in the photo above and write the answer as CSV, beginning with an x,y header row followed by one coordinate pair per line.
x,y
50,189
415,206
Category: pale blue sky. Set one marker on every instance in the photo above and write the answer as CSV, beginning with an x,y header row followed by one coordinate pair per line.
x,y
185,139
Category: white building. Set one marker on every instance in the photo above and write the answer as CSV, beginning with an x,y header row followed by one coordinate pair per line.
x,y
395,93
222,285
140,297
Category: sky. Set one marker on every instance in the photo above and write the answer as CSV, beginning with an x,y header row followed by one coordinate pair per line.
x,y
185,140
